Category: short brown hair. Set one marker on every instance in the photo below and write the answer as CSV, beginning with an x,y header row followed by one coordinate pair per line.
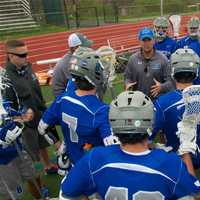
x,y
12,44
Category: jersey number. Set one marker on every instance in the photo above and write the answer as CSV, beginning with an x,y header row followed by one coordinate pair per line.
x,y
121,193
72,124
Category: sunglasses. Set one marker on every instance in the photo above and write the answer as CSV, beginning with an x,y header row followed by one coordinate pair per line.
x,y
23,55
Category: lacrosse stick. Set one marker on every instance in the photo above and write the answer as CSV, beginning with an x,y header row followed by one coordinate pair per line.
x,y
191,117
108,59
175,21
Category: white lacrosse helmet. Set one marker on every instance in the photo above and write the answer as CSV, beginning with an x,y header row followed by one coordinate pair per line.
x,y
161,25
184,60
194,27
131,113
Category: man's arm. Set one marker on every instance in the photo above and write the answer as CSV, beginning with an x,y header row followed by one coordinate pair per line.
x,y
49,119
130,76
168,82
60,76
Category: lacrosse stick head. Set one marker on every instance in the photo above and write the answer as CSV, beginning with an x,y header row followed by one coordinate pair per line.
x,y
175,21
108,59
191,99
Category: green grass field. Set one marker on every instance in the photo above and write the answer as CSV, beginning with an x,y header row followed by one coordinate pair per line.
x,y
53,181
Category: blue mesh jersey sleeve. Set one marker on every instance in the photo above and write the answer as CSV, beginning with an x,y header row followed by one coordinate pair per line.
x,y
52,115
102,121
79,181
186,183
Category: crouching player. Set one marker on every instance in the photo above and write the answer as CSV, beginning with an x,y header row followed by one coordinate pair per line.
x,y
130,170
82,115
15,163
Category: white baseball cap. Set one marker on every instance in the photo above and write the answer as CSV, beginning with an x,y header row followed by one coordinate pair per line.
x,y
77,39
74,40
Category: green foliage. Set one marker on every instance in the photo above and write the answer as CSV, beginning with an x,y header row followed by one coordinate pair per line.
x,y
43,29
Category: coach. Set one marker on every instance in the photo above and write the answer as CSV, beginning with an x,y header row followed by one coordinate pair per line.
x,y
148,70
25,83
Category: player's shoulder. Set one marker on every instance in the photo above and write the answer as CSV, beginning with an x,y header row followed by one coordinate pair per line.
x,y
90,102
170,40
101,154
95,104
168,98
168,161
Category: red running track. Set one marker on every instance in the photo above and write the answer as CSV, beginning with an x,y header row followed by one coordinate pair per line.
x,y
120,36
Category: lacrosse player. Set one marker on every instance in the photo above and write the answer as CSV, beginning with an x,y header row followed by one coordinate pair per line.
x,y
81,114
130,170
15,163
192,40
170,107
163,42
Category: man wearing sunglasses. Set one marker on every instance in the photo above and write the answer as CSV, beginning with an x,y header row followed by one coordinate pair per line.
x,y
148,70
25,82
163,42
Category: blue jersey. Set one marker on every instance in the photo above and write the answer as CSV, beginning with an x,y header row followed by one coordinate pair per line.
x,y
169,110
188,42
167,46
84,120
116,174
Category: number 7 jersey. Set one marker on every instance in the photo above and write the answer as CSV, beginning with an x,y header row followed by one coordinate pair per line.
x,y
83,119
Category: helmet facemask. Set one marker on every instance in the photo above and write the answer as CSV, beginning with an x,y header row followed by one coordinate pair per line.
x,y
161,26
194,28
